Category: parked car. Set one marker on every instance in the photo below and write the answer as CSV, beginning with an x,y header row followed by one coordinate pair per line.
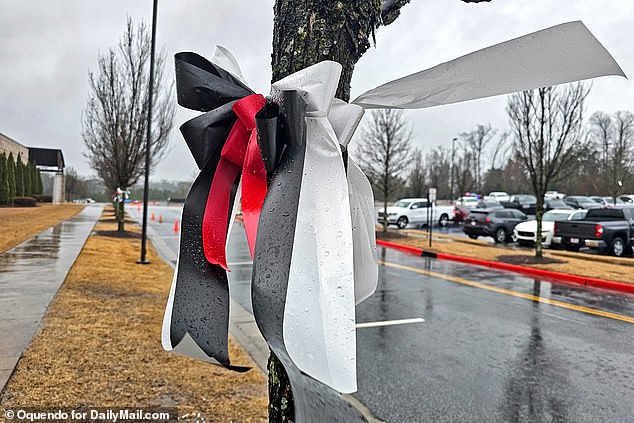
x,y
555,203
524,203
599,200
489,203
496,223
627,198
460,213
602,228
581,202
554,195
499,195
610,201
468,200
414,211
524,233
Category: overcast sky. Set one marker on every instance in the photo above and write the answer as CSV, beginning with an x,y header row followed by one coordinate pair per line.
x,y
48,47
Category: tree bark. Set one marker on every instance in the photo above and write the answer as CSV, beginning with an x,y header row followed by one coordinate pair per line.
x,y
308,31
120,215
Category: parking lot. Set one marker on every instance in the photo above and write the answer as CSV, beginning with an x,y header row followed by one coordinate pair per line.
x,y
441,341
510,221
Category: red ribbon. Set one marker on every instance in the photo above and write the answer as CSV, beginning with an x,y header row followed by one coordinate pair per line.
x,y
240,153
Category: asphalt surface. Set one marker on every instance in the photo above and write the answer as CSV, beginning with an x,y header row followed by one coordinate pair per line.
x,y
494,346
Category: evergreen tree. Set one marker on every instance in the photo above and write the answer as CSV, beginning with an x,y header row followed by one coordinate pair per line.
x,y
40,184
4,183
26,171
19,177
34,179
11,175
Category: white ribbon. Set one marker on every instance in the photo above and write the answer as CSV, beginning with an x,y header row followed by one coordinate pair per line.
x,y
556,55
319,320
344,119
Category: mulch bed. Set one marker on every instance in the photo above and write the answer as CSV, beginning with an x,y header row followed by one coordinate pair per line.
x,y
118,234
521,260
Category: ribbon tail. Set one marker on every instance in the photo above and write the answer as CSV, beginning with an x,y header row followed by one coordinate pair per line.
x,y
366,271
215,220
556,55
254,188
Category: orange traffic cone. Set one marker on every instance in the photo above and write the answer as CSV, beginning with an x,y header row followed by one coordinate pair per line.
x,y
153,218
176,226
160,218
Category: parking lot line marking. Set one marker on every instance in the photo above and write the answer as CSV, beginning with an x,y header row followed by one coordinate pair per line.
x,y
390,323
556,303
240,263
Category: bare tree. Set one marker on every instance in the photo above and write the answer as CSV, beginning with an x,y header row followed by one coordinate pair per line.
x,y
114,122
547,128
477,142
384,153
500,151
439,170
463,174
74,185
613,136
417,177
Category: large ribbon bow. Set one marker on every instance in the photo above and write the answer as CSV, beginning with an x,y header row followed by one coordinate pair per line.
x,y
308,274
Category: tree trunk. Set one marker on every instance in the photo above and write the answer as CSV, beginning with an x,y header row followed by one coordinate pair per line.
x,y
280,410
539,212
306,32
120,215
385,215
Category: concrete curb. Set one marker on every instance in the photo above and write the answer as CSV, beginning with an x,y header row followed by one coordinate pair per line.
x,y
548,274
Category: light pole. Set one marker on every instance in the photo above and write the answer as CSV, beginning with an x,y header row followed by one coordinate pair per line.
x,y
453,150
148,143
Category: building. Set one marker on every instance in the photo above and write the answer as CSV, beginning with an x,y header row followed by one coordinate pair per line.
x,y
8,145
51,160
46,160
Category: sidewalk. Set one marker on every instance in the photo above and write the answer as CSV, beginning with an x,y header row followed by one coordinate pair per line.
x,y
30,275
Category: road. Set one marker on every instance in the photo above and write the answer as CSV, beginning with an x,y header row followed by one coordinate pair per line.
x,y
493,346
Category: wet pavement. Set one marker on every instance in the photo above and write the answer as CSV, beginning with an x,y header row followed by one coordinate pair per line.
x,y
30,275
494,346
485,355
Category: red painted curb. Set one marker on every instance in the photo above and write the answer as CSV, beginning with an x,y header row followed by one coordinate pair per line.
x,y
564,277
406,248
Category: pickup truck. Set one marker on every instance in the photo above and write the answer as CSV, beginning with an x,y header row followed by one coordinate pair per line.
x,y
414,211
603,228
523,203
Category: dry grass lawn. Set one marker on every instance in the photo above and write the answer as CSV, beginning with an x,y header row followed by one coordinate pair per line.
x,y
603,267
18,224
99,345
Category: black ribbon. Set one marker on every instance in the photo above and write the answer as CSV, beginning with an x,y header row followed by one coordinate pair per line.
x,y
201,299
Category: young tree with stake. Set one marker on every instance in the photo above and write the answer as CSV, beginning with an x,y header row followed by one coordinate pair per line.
x,y
114,123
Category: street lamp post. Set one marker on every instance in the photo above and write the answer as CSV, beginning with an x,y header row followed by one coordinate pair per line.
x,y
148,144
453,149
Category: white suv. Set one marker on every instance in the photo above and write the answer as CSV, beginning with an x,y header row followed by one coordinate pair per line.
x,y
500,195
414,211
